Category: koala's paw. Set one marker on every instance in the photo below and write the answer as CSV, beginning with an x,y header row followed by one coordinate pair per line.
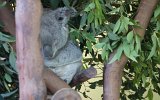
x,y
47,51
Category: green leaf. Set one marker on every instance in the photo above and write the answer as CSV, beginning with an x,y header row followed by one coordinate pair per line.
x,y
144,79
99,45
6,47
157,12
113,59
6,38
96,23
121,28
6,86
150,94
89,46
89,7
104,53
2,4
132,58
8,77
90,17
89,36
8,94
117,25
119,52
130,36
83,20
92,5
12,60
134,53
126,22
126,48
113,36
138,43
109,47
153,50
116,10
66,3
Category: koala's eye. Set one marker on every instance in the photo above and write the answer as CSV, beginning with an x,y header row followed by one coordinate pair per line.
x,y
60,18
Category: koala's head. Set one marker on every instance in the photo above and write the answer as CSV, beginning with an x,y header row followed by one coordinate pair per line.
x,y
62,15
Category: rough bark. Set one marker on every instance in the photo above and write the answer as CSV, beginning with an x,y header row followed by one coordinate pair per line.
x,y
83,76
53,82
113,72
29,59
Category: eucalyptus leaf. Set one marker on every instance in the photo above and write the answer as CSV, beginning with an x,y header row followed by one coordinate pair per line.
x,y
9,93
117,26
130,36
8,78
66,3
83,20
104,52
153,50
6,86
89,46
89,36
113,36
6,47
157,12
119,52
90,17
126,48
12,60
99,45
113,59
6,38
2,4
150,94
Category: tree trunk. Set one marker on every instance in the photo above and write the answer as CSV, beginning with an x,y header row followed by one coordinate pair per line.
x,y
29,59
113,72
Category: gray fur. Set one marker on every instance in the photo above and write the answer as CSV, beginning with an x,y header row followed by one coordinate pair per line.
x,y
60,54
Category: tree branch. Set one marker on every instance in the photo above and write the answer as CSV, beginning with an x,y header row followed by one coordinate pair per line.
x,y
83,76
29,59
113,72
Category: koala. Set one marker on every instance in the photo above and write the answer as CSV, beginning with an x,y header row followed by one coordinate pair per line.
x,y
60,54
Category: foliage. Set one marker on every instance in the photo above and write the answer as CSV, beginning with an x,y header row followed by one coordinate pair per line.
x,y
8,73
100,27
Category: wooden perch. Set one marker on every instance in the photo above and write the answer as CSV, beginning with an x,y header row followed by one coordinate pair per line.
x,y
50,79
29,59
53,82
83,76
66,94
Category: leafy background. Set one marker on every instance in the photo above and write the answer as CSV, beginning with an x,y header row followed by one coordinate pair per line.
x,y
100,27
